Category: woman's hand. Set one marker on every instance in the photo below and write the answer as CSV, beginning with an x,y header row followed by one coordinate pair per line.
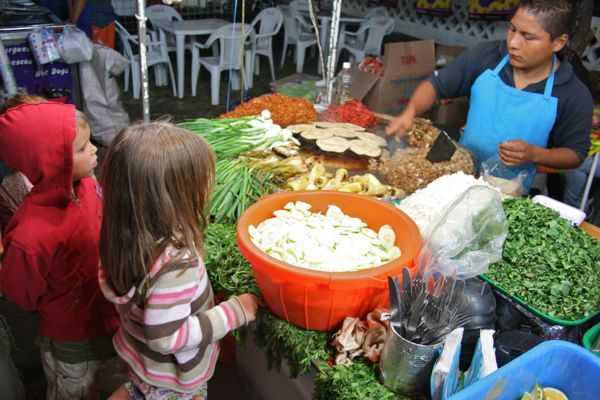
x,y
250,303
516,152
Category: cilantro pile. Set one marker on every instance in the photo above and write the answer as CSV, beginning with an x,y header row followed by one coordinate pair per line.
x,y
548,263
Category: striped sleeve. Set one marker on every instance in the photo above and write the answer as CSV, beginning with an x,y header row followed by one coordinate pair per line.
x,y
226,317
170,323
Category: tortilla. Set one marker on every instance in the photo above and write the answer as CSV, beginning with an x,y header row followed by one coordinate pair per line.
x,y
343,132
333,144
300,127
326,124
378,140
365,148
350,126
316,133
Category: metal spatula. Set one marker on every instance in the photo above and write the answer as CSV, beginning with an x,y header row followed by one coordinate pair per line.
x,y
442,149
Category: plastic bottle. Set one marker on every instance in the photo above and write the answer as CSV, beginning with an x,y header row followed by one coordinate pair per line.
x,y
320,98
344,92
6,71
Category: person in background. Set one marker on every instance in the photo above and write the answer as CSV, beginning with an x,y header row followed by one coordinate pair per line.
x,y
526,104
51,255
574,180
157,179
96,18
11,386
15,185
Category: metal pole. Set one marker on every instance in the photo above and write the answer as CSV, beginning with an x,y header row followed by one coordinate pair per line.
x,y
332,57
588,183
141,18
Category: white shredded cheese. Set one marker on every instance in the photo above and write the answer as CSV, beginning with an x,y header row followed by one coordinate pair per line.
x,y
424,205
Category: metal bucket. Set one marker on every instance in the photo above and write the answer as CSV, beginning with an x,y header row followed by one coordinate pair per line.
x,y
406,366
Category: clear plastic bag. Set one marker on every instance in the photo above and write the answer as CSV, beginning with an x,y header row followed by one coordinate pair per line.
x,y
510,180
467,236
74,46
43,46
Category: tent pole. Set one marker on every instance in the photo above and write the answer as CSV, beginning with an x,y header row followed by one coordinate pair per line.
x,y
332,56
141,19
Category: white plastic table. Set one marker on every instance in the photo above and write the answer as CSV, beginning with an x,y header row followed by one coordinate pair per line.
x,y
181,29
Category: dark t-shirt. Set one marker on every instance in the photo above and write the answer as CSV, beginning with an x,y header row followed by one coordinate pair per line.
x,y
573,122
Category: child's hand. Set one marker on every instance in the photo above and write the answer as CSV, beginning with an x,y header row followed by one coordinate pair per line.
x,y
250,303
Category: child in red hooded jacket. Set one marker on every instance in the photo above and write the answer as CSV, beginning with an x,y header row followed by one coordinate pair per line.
x,y
51,244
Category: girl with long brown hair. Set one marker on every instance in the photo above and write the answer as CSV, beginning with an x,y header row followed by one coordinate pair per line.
x,y
157,180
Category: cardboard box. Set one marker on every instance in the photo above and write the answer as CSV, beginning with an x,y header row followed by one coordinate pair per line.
x,y
405,64
450,112
445,55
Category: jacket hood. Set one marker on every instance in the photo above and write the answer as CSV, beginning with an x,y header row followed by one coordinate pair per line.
x,y
37,139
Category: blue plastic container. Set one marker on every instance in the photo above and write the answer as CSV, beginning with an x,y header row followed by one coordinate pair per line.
x,y
556,363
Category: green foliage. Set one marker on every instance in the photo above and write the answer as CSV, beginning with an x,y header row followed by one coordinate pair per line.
x,y
283,341
228,270
548,263
357,381
231,274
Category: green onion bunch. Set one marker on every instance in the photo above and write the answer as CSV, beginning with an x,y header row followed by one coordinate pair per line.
x,y
238,184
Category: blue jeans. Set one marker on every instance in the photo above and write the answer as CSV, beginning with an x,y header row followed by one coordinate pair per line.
x,y
575,180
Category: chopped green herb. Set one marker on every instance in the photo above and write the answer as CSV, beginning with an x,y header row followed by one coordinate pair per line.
x,y
548,263
228,270
357,381
283,341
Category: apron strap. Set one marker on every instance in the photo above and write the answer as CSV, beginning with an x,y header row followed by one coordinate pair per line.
x,y
550,80
500,65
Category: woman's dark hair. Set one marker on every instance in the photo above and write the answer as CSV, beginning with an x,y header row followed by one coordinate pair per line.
x,y
556,15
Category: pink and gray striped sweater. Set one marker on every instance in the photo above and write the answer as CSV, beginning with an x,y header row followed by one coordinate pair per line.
x,y
170,336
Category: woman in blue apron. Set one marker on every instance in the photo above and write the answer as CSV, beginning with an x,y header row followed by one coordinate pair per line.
x,y
514,110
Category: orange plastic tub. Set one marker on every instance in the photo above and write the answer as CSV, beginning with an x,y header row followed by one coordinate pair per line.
x,y
319,300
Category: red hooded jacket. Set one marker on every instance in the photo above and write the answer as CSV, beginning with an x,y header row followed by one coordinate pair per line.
x,y
51,243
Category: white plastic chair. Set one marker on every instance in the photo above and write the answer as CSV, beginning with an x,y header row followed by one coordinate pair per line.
x,y
377,12
266,25
374,13
298,33
299,5
230,40
161,12
591,54
156,56
367,39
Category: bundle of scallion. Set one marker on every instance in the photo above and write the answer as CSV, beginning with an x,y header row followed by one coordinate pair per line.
x,y
232,136
237,187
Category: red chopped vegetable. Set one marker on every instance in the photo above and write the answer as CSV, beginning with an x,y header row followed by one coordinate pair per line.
x,y
352,111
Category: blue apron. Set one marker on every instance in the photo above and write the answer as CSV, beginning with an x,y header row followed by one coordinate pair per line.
x,y
499,112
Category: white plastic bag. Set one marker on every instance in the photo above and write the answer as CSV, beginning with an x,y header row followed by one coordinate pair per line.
x,y
74,46
510,180
467,236
43,46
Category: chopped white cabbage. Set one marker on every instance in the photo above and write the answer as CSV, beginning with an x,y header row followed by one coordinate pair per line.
x,y
328,242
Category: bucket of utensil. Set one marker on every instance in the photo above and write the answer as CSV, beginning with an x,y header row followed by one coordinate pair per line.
x,y
406,366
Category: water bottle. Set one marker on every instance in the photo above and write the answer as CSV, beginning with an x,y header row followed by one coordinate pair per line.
x,y
344,92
